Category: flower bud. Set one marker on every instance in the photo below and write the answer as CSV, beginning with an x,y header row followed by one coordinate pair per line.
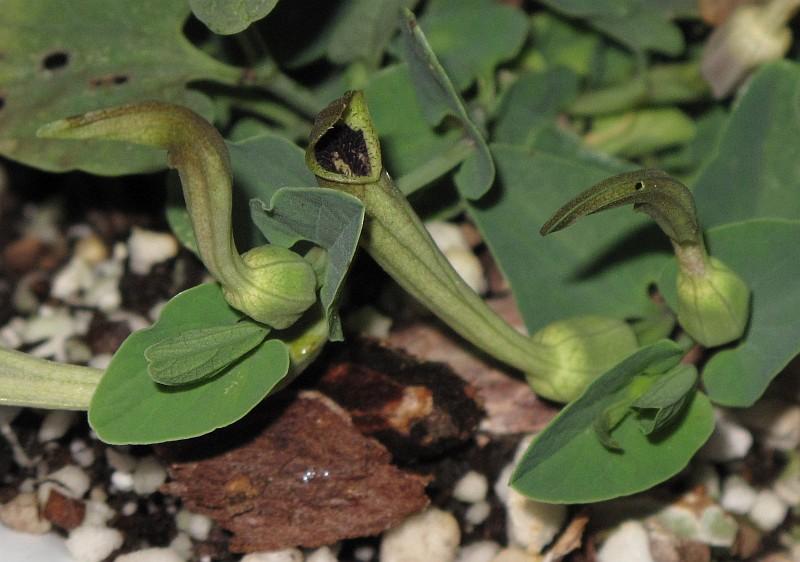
x,y
714,305
582,349
277,289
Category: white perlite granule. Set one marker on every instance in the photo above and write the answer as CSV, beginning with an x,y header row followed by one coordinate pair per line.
x,y
424,537
93,544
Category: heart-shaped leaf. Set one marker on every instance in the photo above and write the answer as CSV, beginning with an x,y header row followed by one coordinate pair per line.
x,y
128,407
567,463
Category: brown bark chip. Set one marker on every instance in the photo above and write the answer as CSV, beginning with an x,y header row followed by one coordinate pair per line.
x,y
62,511
306,478
417,409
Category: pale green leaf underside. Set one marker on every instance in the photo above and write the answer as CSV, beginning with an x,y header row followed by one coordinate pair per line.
x,y
554,468
230,16
128,407
195,355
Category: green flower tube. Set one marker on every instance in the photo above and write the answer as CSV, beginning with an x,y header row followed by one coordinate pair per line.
x,y
270,284
713,301
344,153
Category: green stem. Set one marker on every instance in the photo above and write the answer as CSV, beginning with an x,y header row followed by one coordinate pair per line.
x,y
396,238
29,381
435,167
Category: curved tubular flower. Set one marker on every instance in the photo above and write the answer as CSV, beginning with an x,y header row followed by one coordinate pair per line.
x,y
344,154
713,302
270,284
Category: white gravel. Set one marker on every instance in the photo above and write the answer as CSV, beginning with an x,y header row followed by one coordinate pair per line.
x,y
288,555
71,480
147,248
431,535
737,495
627,543
88,543
151,555
323,554
471,488
768,511
196,525
55,425
22,514
480,551
729,441
148,476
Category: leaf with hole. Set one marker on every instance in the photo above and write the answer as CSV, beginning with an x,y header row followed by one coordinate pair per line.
x,y
53,66
129,407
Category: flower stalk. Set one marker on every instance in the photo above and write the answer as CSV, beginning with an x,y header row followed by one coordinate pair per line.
x,y
713,302
270,284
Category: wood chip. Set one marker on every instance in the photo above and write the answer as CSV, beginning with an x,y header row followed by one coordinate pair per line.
x,y
303,476
417,409
62,511
510,404
570,539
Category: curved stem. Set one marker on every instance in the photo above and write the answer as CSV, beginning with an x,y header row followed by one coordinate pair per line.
x,y
30,381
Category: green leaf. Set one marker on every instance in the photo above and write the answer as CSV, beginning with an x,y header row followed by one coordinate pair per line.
x,y
451,27
753,174
602,266
60,60
765,253
409,145
195,355
438,99
226,17
567,463
558,43
608,420
653,420
532,103
640,24
668,388
128,407
328,218
362,30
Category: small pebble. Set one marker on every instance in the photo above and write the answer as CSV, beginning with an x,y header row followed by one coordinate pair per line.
x,y
447,235
480,551
513,554
471,488
196,525
119,460
729,441
182,544
364,553
151,555
368,321
768,511
81,453
148,476
323,554
628,543
469,268
778,420
148,248
737,495
787,485
129,509
93,544
122,481
477,513
98,513
91,249
22,514
288,555
431,535
55,425
71,480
